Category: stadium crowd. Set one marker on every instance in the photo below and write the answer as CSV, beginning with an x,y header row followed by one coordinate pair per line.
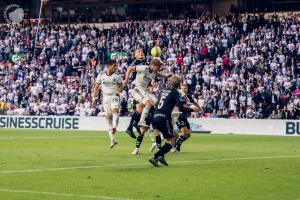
x,y
243,66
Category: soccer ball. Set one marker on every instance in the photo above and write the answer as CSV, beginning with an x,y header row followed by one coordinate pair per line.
x,y
156,51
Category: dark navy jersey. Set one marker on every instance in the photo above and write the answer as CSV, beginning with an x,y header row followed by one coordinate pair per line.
x,y
168,100
188,99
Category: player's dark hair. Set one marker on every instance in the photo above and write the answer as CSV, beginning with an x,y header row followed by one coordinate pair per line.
x,y
111,62
184,84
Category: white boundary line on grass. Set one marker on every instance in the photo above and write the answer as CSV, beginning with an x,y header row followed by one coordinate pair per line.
x,y
141,164
61,194
54,137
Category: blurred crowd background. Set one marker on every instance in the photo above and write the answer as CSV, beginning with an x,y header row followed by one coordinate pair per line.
x,y
236,65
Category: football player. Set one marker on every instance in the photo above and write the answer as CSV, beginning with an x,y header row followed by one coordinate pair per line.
x,y
111,86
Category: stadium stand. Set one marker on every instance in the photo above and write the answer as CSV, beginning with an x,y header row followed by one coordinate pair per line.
x,y
236,66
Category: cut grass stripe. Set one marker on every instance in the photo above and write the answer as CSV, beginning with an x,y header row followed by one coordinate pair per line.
x,y
61,194
141,164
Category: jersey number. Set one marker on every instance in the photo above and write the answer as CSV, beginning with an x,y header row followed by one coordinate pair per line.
x,y
161,102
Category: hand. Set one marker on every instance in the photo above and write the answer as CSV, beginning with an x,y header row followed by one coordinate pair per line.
x,y
195,108
125,82
169,75
94,101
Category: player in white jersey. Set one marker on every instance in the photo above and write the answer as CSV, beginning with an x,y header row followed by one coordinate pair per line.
x,y
135,118
145,75
111,86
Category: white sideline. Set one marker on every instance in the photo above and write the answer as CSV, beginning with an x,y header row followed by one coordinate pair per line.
x,y
61,194
140,164
63,137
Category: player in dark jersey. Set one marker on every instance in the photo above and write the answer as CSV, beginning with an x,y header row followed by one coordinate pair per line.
x,y
135,118
162,120
142,132
182,122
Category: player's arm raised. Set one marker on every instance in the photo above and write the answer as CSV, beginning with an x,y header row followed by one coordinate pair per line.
x,y
130,69
120,85
164,75
195,104
181,104
96,90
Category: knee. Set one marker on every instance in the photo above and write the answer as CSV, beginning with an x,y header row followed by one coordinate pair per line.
x,y
156,133
143,130
149,103
189,134
171,141
115,110
139,108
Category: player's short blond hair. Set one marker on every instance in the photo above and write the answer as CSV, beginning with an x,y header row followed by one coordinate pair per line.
x,y
175,81
156,62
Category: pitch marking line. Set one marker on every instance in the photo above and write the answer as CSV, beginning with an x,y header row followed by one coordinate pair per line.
x,y
54,137
61,194
141,164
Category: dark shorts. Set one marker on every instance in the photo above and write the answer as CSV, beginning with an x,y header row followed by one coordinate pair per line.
x,y
183,122
164,125
149,118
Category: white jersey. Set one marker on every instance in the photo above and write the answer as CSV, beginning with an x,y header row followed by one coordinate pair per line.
x,y
109,84
143,76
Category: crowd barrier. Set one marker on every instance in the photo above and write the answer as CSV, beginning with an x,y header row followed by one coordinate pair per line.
x,y
198,125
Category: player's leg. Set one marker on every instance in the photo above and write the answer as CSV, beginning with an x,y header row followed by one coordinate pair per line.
x,y
153,139
149,101
139,109
183,137
157,137
109,117
185,134
149,122
139,140
166,128
148,106
135,118
143,130
111,133
115,107
176,135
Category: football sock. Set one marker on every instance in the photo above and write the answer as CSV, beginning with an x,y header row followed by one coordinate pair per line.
x,y
139,141
163,150
115,120
135,118
180,140
145,114
110,126
158,141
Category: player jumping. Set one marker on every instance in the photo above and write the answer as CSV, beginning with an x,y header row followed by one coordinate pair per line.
x,y
163,118
145,75
111,86
135,118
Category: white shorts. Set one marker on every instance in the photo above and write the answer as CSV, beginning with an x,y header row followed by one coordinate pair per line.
x,y
141,96
110,102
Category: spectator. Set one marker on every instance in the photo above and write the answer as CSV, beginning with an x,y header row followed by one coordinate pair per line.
x,y
244,66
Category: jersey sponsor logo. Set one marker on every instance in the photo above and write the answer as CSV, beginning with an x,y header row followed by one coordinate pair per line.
x,y
68,123
292,128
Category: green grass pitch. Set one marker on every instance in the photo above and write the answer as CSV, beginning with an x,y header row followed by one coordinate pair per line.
x,y
78,165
